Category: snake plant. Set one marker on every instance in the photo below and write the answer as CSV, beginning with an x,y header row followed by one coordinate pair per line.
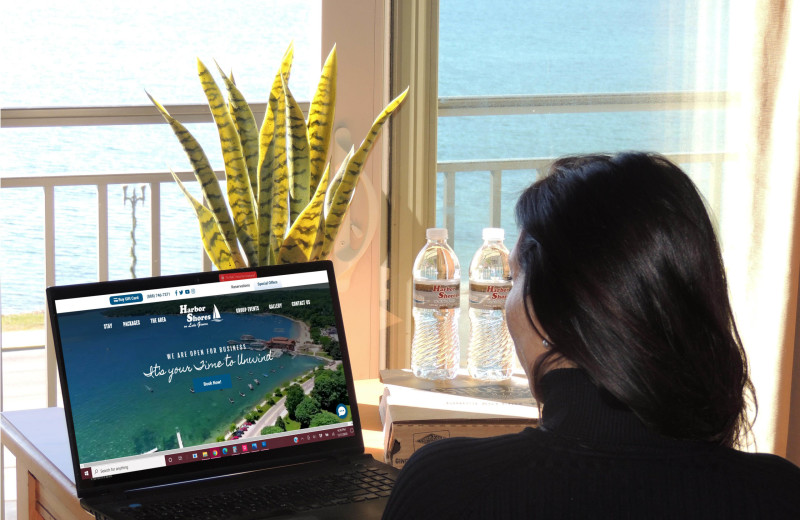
x,y
283,205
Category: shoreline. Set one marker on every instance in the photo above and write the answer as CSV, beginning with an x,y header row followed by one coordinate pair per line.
x,y
304,334
225,429
304,329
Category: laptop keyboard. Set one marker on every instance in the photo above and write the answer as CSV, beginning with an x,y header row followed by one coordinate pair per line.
x,y
354,484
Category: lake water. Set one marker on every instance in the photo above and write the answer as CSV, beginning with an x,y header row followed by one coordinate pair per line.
x,y
95,53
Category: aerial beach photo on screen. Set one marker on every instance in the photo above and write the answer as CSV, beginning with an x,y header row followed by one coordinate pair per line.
x,y
174,375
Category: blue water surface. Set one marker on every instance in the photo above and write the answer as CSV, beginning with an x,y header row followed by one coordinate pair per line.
x,y
487,47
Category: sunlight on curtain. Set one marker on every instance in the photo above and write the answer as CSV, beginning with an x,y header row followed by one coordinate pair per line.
x,y
761,189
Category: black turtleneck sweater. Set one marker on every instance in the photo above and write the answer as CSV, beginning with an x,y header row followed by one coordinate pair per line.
x,y
591,458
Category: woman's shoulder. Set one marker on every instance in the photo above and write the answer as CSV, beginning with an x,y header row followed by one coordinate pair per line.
x,y
489,452
771,484
763,466
433,471
469,477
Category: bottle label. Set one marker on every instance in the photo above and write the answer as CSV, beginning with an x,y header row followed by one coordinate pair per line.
x,y
490,296
437,295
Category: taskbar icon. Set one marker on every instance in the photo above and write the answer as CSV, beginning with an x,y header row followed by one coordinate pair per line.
x,y
214,452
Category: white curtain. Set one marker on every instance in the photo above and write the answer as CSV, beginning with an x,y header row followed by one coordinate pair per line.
x,y
761,228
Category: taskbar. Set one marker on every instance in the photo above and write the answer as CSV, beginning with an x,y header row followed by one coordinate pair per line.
x,y
226,449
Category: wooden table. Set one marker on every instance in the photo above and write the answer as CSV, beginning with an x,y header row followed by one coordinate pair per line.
x,y
46,484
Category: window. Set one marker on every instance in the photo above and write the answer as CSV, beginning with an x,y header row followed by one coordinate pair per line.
x,y
106,56
565,55
516,84
521,83
568,56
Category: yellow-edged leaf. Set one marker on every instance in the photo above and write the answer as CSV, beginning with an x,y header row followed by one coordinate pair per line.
x,y
267,163
319,240
268,125
207,179
277,165
319,252
286,62
299,242
320,119
213,241
336,181
246,127
265,183
296,155
346,188
240,194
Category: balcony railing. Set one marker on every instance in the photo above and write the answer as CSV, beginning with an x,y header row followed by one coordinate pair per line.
x,y
571,104
496,169
448,107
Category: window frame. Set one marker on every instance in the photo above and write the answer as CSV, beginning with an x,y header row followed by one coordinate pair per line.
x,y
415,59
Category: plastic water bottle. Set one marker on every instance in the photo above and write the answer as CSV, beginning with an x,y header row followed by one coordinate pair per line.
x,y
435,350
491,351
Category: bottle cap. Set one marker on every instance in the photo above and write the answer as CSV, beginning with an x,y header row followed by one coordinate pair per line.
x,y
493,233
436,233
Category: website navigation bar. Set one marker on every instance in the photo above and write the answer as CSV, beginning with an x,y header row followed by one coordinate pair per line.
x,y
227,285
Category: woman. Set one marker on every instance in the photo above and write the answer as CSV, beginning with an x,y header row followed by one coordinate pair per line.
x,y
621,319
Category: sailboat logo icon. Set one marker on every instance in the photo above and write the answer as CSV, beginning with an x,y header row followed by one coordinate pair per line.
x,y
216,316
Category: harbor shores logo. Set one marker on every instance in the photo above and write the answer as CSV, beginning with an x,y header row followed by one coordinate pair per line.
x,y
194,318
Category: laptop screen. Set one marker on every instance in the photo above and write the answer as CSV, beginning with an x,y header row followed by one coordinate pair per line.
x,y
172,375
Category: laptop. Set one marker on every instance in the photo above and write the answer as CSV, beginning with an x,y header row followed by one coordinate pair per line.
x,y
223,394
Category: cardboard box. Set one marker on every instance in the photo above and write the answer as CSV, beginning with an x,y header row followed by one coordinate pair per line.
x,y
413,416
406,429
512,391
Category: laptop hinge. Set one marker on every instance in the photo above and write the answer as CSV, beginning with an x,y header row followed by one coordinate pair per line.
x,y
351,458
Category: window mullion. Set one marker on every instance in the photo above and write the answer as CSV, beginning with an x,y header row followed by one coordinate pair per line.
x,y
415,54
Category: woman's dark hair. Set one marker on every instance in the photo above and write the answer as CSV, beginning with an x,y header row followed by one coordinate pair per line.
x,y
625,276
